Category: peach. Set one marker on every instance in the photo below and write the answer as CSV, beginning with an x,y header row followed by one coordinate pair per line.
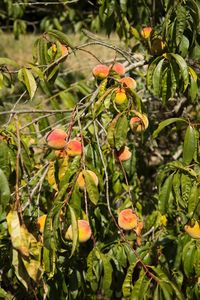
x,y
41,222
56,139
124,154
127,219
81,180
100,71
84,231
128,82
193,231
118,69
146,31
120,96
64,50
139,123
74,148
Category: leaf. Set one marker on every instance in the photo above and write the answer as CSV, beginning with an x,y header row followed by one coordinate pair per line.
x,y
111,131
120,133
63,38
183,68
186,185
189,145
193,89
33,268
181,20
188,258
5,158
157,75
193,199
91,188
20,271
28,79
4,190
166,85
127,284
8,61
150,72
165,123
74,230
164,194
107,277
138,286
14,229
177,190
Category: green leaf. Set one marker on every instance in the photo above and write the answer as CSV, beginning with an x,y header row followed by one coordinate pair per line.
x,y
91,188
138,286
189,145
177,190
8,61
111,131
183,68
181,20
186,185
188,258
120,133
164,194
157,75
165,123
127,284
193,199
27,78
107,277
150,72
193,89
63,38
74,230
4,190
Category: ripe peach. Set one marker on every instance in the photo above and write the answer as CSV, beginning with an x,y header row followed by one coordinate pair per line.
x,y
127,219
139,123
124,154
84,231
128,82
64,50
41,222
118,68
74,147
81,180
146,31
120,96
193,231
56,139
100,71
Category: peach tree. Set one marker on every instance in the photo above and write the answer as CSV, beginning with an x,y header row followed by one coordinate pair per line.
x,y
99,176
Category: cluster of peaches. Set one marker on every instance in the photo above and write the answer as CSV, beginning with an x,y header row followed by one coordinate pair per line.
x,y
58,140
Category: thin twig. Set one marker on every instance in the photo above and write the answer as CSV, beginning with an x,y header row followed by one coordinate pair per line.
x,y
17,197
34,111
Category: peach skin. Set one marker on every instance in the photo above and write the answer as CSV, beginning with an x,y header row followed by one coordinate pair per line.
x,y
120,96
118,69
193,231
128,82
81,180
56,139
100,71
74,148
84,231
124,154
127,219
41,222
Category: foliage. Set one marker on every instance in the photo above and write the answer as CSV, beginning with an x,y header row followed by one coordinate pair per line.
x,y
159,257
